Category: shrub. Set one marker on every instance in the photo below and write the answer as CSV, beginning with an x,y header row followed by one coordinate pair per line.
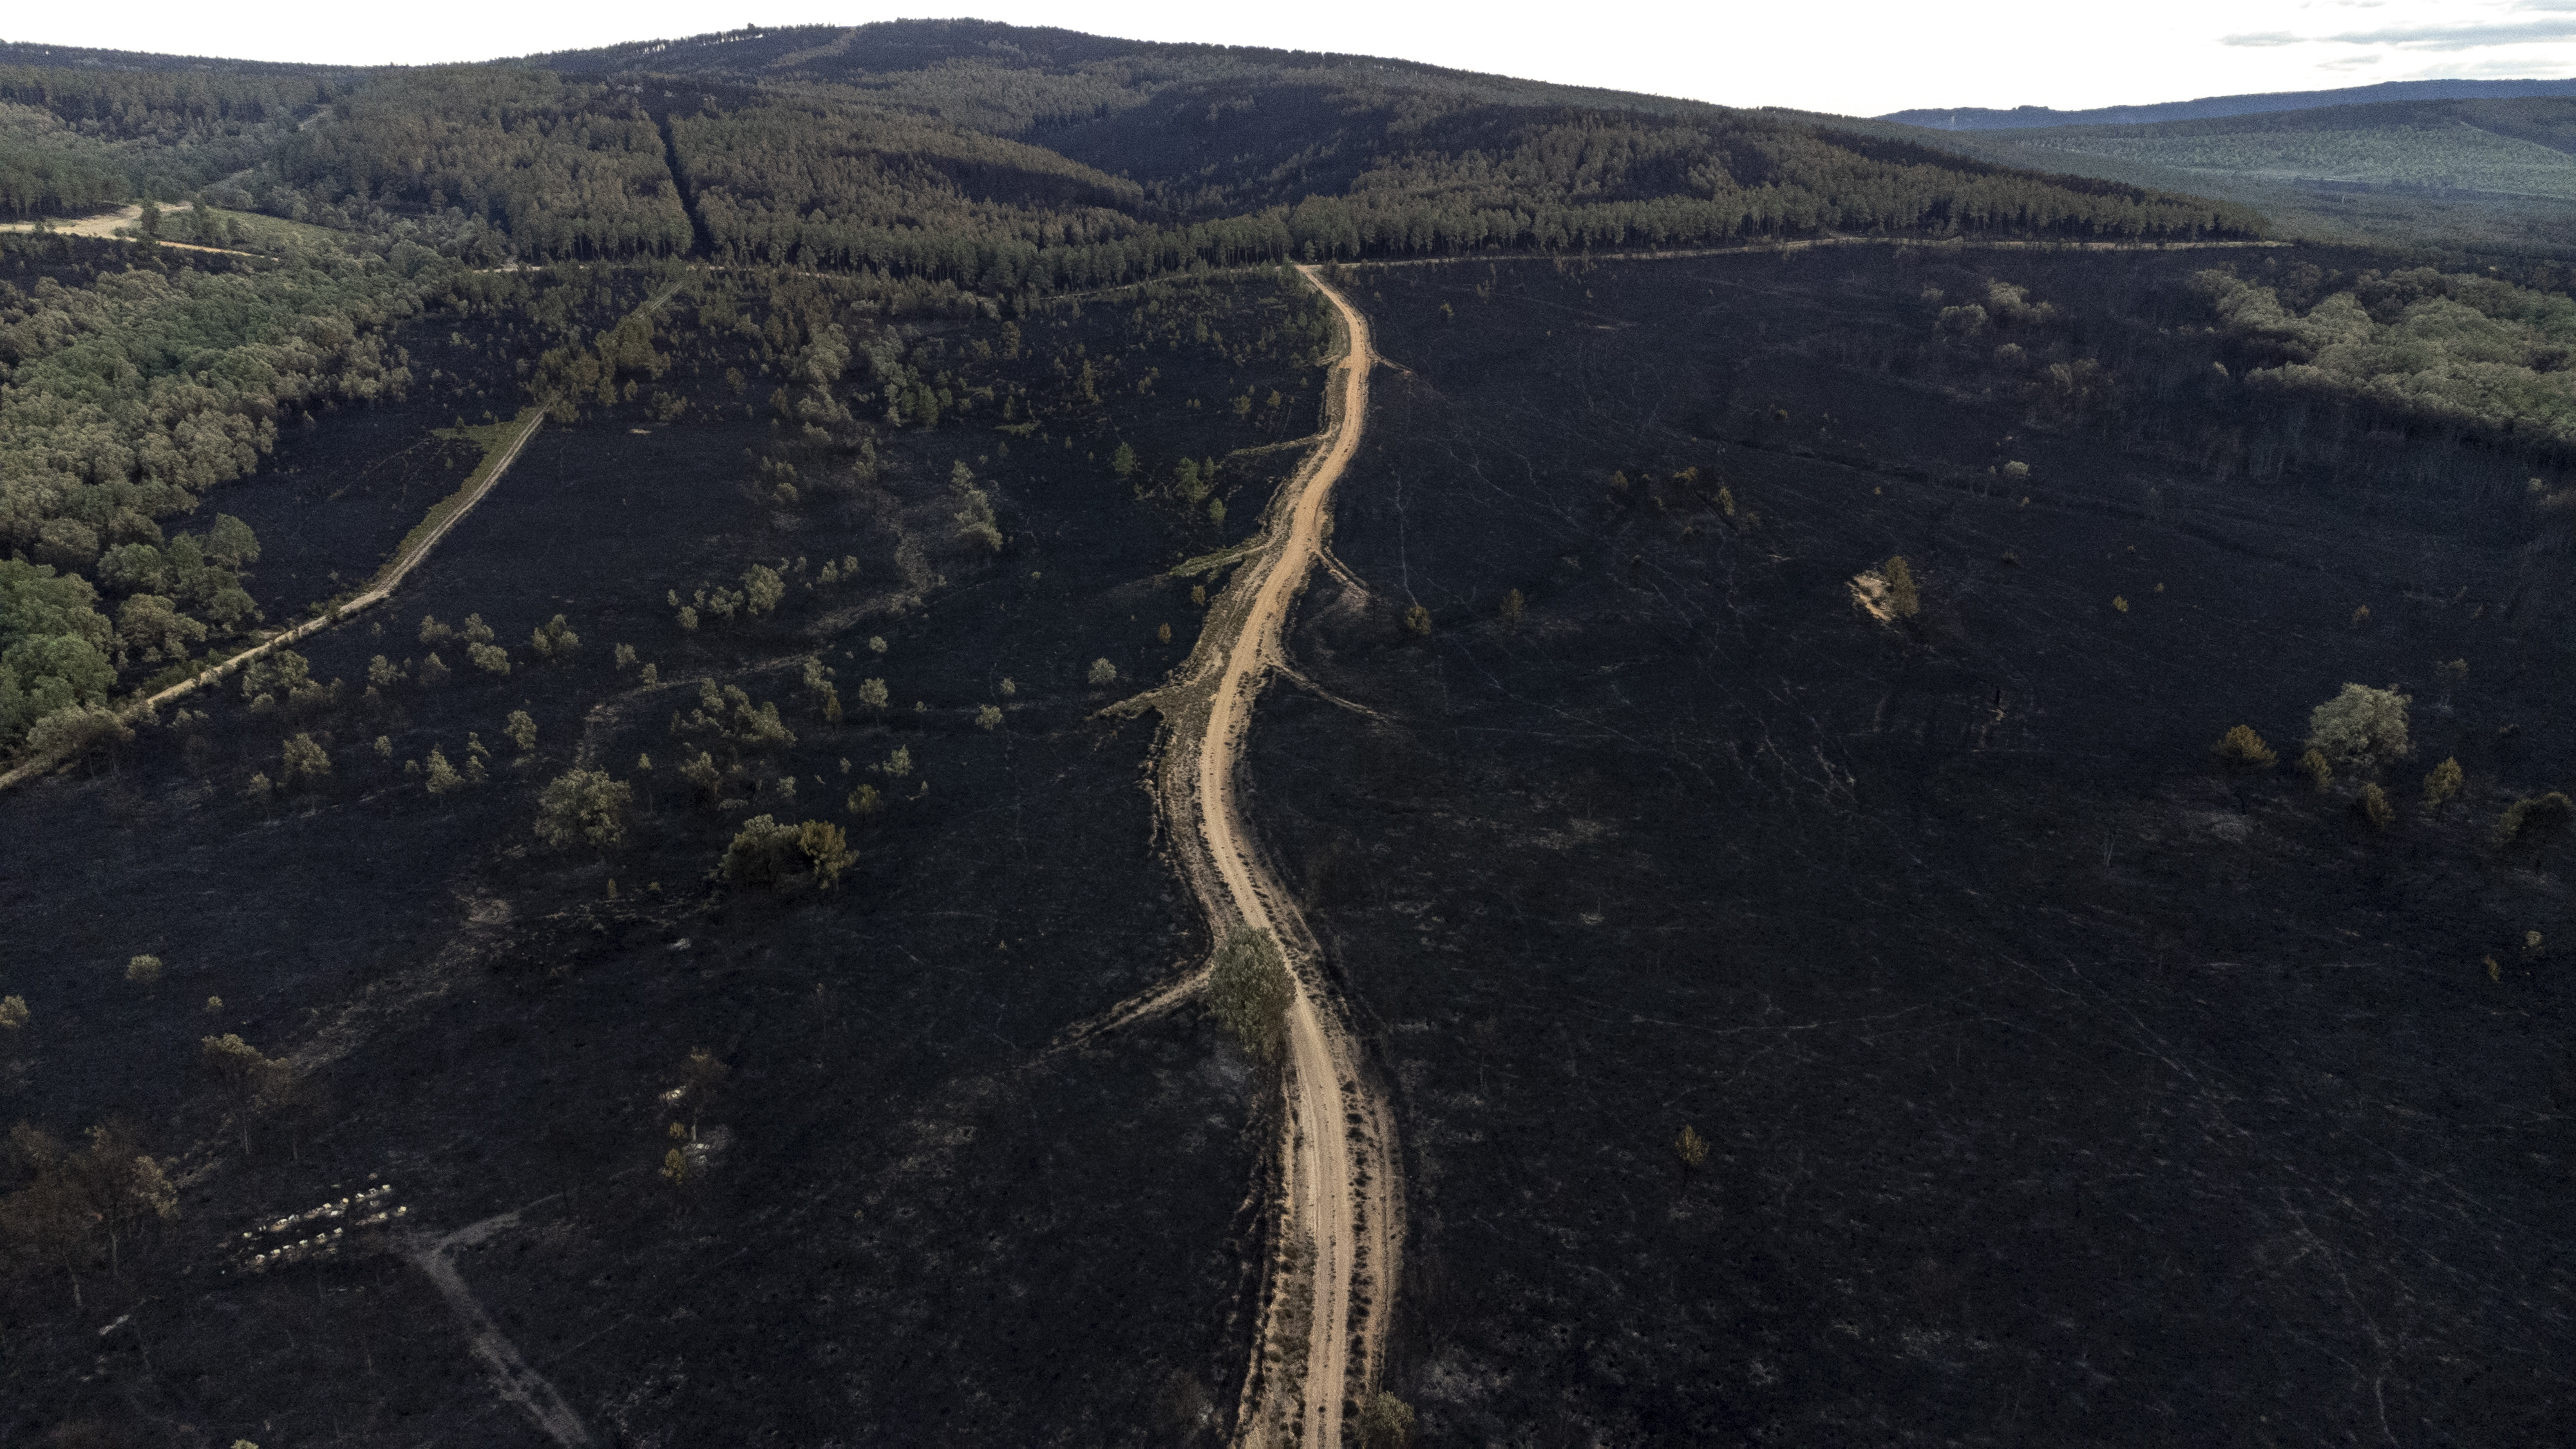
x,y
1103,673
1514,605
702,772
1418,619
260,789
2372,807
144,970
13,1013
622,656
584,807
688,617
1690,1147
865,800
827,851
2532,821
2442,785
2244,749
1387,1423
988,717
761,854
1904,599
2320,774
554,640
1250,989
2361,725
77,729
443,779
432,672
305,760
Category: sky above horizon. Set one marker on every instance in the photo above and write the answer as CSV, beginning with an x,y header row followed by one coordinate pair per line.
x,y
1853,57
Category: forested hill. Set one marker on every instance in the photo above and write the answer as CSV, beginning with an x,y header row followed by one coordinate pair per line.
x,y
950,165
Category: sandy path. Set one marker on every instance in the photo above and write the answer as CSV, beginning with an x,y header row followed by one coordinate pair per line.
x,y
104,226
1340,1186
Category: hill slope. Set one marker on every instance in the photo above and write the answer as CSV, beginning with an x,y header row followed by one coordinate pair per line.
x,y
1974,118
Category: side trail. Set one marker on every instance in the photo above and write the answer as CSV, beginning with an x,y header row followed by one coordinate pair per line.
x,y
1334,1258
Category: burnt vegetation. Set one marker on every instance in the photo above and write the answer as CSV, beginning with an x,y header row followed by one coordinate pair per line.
x,y
1924,819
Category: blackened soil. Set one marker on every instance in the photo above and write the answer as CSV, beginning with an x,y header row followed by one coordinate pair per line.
x,y
2056,1089
916,1223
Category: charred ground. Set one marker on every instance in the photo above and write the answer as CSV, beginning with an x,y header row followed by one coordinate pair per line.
x,y
2056,1086
914,1221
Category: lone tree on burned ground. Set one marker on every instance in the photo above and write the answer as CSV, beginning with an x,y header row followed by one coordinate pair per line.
x,y
584,807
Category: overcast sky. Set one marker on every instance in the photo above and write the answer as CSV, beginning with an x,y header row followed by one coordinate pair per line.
x,y
1859,57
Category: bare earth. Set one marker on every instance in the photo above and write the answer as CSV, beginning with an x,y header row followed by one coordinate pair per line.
x,y
1341,1198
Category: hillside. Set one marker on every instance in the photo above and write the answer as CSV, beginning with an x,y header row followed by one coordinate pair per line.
x,y
1975,118
2434,176
936,733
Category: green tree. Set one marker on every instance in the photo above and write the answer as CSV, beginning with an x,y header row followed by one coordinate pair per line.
x,y
1103,673
2372,806
1904,599
827,851
443,779
475,630
1513,607
584,807
555,641
491,658
872,693
988,717
2536,820
250,1083
144,970
1418,620
522,730
2361,725
1123,461
304,760
763,588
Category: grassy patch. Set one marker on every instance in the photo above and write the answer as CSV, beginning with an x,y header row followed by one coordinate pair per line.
x,y
1210,562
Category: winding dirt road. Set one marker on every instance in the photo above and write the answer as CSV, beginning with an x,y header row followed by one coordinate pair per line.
x,y
1340,1228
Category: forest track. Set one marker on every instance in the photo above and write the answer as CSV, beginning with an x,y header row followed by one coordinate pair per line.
x,y
1334,1257
388,579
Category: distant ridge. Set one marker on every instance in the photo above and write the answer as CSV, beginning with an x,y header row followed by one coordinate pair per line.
x,y
1971,118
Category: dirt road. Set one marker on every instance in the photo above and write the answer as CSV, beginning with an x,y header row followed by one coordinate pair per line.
x,y
1327,1301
